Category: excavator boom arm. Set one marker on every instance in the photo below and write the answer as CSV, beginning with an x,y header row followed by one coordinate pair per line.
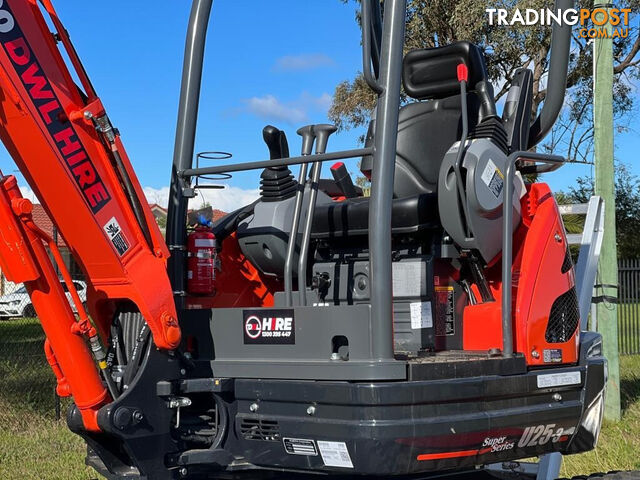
x,y
63,142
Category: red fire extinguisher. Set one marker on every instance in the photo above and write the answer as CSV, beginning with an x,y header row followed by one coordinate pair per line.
x,y
202,261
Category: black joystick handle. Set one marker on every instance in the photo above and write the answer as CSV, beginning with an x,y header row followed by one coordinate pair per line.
x,y
343,180
276,141
276,181
308,137
323,131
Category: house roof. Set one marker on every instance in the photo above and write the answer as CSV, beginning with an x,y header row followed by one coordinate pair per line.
x,y
218,214
156,208
208,212
42,220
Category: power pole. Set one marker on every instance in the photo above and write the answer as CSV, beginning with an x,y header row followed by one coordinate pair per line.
x,y
607,313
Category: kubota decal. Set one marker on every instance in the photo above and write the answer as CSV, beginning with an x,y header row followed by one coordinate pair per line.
x,y
542,434
498,444
50,110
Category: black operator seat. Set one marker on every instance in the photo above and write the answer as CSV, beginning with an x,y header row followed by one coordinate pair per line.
x,y
426,130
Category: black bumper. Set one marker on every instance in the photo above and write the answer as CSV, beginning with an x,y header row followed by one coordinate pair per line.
x,y
397,428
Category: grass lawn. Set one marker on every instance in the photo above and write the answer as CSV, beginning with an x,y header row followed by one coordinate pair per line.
x,y
34,446
619,445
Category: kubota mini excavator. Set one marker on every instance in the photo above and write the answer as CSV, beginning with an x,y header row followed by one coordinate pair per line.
x,y
425,329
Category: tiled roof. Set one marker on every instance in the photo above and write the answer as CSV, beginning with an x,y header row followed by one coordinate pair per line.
x,y
157,208
42,220
218,214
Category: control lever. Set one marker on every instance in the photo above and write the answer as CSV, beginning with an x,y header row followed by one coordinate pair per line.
x,y
276,141
343,180
322,133
276,182
308,138
463,78
308,135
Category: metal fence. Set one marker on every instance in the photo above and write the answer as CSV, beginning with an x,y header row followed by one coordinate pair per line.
x,y
629,306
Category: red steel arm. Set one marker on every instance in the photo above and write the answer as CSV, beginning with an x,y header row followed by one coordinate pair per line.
x,y
62,141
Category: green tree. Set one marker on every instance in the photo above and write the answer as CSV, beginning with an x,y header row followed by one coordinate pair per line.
x,y
627,188
433,23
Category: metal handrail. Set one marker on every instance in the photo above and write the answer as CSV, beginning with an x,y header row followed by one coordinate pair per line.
x,y
240,167
507,239
590,242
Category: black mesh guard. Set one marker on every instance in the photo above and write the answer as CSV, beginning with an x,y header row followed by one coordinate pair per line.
x,y
564,318
567,264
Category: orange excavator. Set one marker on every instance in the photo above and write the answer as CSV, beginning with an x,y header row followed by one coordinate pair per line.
x,y
435,327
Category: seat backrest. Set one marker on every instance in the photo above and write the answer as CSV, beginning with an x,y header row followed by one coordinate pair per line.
x,y
428,128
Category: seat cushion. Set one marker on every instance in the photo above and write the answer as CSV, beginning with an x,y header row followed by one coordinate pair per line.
x,y
351,217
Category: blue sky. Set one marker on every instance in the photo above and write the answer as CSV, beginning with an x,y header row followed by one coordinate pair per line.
x,y
272,62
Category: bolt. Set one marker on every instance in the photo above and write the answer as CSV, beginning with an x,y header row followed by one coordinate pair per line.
x,y
184,472
254,407
495,352
557,397
138,416
558,237
88,115
183,371
535,354
311,411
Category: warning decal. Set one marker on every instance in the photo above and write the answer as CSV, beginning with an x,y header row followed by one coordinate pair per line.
x,y
493,178
116,236
335,454
445,311
421,315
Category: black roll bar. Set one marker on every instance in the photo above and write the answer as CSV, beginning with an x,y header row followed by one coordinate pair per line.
x,y
383,53
371,43
557,78
185,141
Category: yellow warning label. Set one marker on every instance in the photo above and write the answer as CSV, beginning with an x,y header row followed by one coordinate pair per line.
x,y
444,289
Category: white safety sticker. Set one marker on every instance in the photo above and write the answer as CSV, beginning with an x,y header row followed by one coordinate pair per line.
x,y
421,316
116,235
300,446
558,379
408,279
335,454
493,178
